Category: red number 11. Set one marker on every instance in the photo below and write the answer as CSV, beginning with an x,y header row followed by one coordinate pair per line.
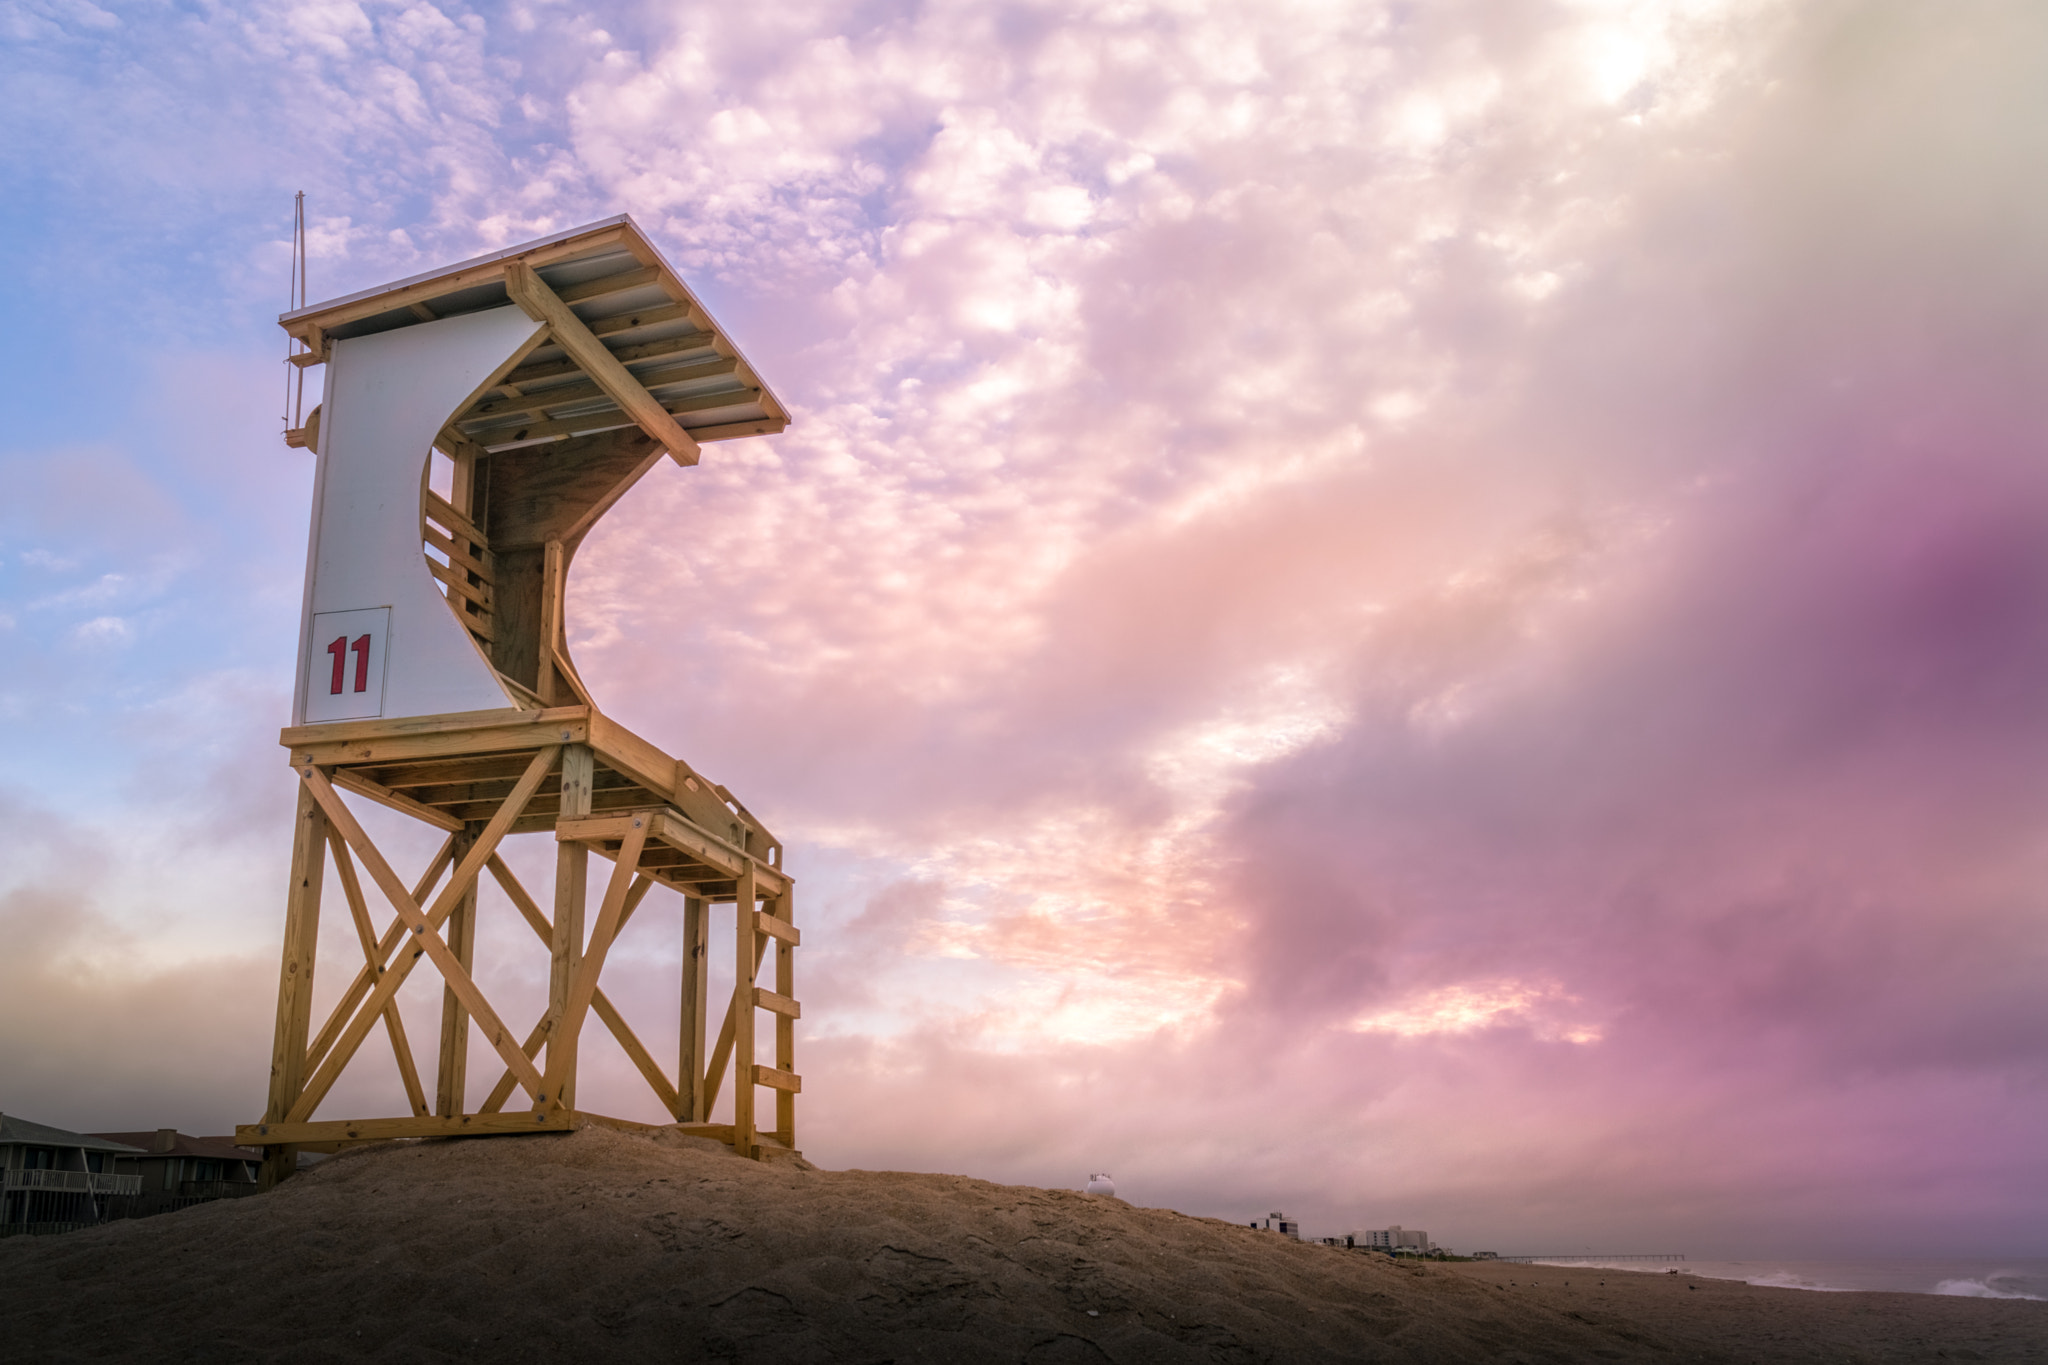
x,y
340,649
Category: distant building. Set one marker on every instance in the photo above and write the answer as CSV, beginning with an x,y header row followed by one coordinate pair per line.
x,y
53,1180
1277,1221
1486,1255
1395,1238
178,1171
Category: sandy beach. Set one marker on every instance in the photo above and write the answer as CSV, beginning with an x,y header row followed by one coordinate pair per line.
x,y
600,1245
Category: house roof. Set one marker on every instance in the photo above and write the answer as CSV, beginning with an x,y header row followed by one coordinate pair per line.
x,y
14,1130
217,1148
628,343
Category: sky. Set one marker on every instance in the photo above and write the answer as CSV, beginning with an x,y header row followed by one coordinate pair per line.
x,y
1409,613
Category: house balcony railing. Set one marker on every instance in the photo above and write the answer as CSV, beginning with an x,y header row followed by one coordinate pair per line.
x,y
80,1182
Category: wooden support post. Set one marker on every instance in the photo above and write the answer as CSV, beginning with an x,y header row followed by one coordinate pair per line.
x,y
690,1060
553,689
449,1091
611,916
572,867
746,974
295,978
462,483
721,1051
784,908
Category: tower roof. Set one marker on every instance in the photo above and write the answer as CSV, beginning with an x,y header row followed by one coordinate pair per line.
x,y
628,343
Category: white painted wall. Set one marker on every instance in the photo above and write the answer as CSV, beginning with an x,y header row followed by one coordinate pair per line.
x,y
386,398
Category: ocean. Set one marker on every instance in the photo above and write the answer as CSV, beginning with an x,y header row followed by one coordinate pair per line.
x,y
2010,1278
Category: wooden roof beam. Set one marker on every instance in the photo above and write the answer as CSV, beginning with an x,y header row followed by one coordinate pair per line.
x,y
509,433
625,355
725,431
537,400
617,283
314,339
646,317
543,305
454,444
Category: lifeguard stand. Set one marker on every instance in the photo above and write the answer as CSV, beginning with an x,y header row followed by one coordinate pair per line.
x,y
434,678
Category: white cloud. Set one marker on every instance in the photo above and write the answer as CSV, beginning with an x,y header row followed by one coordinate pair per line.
x,y
103,630
1541,1009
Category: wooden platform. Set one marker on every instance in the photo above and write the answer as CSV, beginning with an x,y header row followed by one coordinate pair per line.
x,y
450,771
481,777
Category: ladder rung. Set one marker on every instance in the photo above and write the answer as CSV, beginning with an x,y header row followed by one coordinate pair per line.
x,y
777,1080
780,1004
776,927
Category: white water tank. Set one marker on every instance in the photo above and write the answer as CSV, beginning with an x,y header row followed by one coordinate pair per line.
x,y
1101,1184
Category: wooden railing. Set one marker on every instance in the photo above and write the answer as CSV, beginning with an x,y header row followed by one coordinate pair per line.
x,y
469,575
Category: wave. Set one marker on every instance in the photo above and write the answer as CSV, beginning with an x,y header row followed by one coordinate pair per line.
x,y
1987,1288
1993,1286
1983,1280
1785,1279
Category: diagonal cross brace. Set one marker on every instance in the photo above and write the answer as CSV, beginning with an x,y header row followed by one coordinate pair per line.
x,y
401,1048
562,1043
636,1052
366,976
425,927
721,1051
650,1070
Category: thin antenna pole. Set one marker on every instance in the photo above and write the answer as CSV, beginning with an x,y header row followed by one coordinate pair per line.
x,y
291,292
299,279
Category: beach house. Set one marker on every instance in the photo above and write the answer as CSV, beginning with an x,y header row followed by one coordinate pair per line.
x,y
52,1180
178,1171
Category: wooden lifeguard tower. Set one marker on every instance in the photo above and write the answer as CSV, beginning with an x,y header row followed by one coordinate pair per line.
x,y
434,678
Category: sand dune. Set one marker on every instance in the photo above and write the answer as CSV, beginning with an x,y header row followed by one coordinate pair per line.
x,y
601,1246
